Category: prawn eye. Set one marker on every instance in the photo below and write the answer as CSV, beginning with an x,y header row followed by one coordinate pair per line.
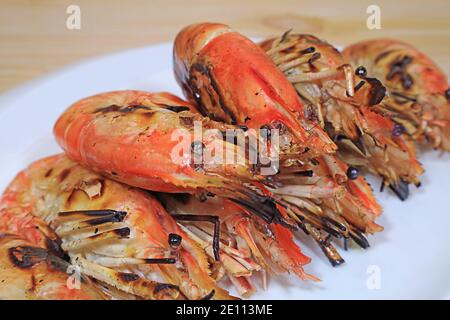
x,y
361,71
175,240
398,130
352,173
447,94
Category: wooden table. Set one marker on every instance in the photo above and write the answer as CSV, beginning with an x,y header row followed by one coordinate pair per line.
x,y
34,39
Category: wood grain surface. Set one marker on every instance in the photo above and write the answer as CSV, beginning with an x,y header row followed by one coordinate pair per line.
x,y
34,38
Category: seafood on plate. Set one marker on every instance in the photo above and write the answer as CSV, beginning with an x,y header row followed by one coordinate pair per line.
x,y
123,238
231,79
341,99
29,272
258,248
116,234
418,91
153,141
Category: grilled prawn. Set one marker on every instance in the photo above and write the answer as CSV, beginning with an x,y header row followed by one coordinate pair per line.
x,y
28,272
114,233
247,243
417,90
233,80
341,100
151,141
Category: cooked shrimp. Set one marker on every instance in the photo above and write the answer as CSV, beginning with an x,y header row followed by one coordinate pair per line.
x,y
114,233
417,89
341,100
150,141
28,272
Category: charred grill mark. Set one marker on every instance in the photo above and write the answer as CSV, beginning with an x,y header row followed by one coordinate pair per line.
x,y
89,213
117,216
59,264
187,121
121,109
164,286
398,68
316,56
128,277
407,81
207,218
382,55
306,173
197,96
204,70
123,232
54,247
64,174
307,50
177,109
400,95
149,114
132,108
25,257
49,172
110,108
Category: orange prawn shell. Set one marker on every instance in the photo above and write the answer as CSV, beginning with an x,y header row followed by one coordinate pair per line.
x,y
57,184
430,78
121,147
230,62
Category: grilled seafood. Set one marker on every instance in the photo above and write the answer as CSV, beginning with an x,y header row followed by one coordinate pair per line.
x,y
231,79
417,90
155,145
341,100
115,234
28,272
256,247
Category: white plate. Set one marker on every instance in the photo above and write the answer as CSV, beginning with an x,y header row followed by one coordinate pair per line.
x,y
409,260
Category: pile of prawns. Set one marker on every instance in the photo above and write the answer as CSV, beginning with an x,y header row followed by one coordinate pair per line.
x,y
140,226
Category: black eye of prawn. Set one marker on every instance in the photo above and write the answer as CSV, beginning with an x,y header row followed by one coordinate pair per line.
x,y
361,71
447,94
352,173
175,240
398,130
